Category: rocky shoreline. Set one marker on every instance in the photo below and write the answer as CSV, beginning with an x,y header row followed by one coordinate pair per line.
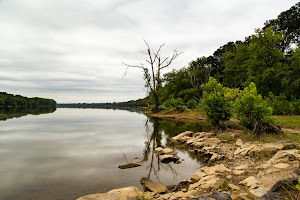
x,y
231,170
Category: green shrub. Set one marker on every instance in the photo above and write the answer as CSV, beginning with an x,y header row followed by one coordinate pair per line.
x,y
173,103
279,104
191,104
295,106
252,110
215,105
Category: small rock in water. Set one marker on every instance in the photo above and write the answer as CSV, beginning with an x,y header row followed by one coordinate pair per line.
x,y
169,158
129,165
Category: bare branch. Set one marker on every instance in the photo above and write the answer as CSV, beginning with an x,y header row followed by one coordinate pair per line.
x,y
135,66
174,56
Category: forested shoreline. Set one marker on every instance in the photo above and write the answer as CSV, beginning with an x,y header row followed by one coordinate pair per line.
x,y
270,59
14,101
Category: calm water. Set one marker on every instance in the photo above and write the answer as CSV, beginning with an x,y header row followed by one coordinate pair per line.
x,y
75,152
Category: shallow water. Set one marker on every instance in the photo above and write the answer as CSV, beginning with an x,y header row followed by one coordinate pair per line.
x,y
75,152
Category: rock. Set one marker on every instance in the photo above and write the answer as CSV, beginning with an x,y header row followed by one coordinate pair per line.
x,y
214,169
198,175
158,150
278,192
241,167
281,165
271,169
169,158
169,151
153,186
211,141
239,142
182,136
117,194
233,187
183,195
129,165
207,182
284,156
170,187
165,196
250,182
214,196
215,157
238,172
258,192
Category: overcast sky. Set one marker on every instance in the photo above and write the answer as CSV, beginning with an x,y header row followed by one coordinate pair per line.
x,y
72,50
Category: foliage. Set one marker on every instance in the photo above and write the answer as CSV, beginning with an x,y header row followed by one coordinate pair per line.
x,y
173,103
252,110
287,22
10,100
192,104
215,105
279,104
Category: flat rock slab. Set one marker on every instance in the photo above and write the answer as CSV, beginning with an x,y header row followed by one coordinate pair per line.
x,y
129,165
153,186
117,194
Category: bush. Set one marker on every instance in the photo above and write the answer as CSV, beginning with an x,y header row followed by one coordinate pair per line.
x,y
192,104
253,112
214,103
173,103
295,106
279,104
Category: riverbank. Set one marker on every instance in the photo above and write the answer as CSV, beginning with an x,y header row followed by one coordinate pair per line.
x,y
231,164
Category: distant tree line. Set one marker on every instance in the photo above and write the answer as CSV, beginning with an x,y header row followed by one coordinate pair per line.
x,y
128,104
270,59
13,101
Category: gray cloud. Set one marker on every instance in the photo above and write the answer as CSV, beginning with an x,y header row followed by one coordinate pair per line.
x,y
72,50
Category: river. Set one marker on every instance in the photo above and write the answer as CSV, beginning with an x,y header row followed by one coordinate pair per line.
x,y
74,152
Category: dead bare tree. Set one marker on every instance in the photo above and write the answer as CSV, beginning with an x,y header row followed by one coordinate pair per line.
x,y
156,64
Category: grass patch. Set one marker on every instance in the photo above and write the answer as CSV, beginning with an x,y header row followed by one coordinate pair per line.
x,y
292,121
269,138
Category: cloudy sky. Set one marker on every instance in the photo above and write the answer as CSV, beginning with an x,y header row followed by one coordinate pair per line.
x,y
72,50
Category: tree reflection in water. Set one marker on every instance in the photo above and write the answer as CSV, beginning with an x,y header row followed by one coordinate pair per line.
x,y
154,137
9,113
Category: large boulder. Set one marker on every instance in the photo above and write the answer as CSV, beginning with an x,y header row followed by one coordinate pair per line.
x,y
117,194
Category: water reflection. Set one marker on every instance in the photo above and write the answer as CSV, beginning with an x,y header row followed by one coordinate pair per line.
x,y
75,152
17,112
155,129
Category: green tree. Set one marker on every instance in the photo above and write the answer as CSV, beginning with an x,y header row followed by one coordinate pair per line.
x,y
253,112
215,105
288,22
